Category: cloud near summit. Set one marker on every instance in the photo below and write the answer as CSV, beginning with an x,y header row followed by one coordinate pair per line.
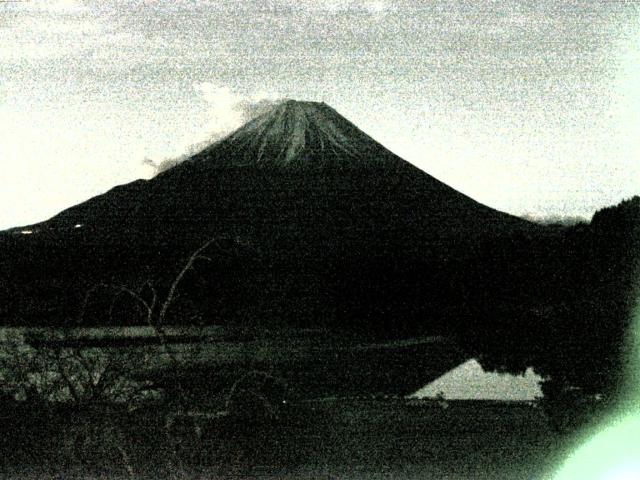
x,y
373,7
226,111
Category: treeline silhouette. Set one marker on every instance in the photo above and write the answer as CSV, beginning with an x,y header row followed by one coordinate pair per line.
x,y
571,318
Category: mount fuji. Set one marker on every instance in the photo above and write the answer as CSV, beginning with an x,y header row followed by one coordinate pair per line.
x,y
327,226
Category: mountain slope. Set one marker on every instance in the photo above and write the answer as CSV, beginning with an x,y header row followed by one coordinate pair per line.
x,y
321,226
296,149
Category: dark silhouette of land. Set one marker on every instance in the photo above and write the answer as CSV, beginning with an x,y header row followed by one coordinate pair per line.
x,y
318,227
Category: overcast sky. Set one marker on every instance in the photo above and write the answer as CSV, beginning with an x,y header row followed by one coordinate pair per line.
x,y
527,106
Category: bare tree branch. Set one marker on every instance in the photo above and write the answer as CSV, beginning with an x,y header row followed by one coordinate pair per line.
x,y
195,256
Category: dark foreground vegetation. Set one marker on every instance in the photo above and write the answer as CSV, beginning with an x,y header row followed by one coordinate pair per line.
x,y
332,438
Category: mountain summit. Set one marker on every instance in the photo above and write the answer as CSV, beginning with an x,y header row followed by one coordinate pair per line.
x,y
299,135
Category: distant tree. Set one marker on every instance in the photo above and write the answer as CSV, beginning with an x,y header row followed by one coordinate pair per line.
x,y
52,373
571,308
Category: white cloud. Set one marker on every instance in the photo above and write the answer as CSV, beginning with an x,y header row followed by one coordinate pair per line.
x,y
226,111
67,26
223,114
53,6
373,7
332,5
43,31
377,7
36,34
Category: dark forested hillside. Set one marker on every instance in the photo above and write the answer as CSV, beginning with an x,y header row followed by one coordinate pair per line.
x,y
572,318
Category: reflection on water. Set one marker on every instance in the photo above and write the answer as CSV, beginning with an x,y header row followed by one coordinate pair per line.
x,y
470,382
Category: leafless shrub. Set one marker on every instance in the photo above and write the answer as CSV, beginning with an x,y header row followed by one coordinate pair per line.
x,y
256,396
56,374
